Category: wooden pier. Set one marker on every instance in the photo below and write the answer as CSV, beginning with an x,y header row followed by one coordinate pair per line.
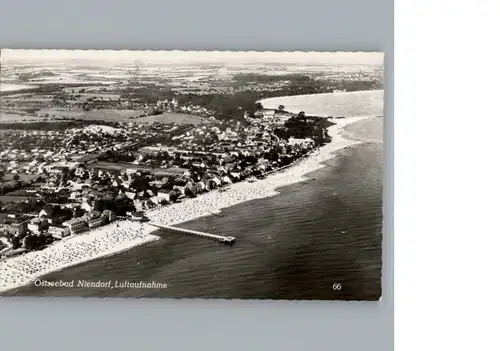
x,y
229,240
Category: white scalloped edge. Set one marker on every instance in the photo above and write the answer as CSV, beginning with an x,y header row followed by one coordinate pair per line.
x,y
325,57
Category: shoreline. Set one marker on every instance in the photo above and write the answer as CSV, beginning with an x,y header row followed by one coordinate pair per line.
x,y
358,135
111,239
214,202
99,243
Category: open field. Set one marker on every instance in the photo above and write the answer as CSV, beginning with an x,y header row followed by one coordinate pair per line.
x,y
15,87
14,118
171,117
14,198
104,114
24,105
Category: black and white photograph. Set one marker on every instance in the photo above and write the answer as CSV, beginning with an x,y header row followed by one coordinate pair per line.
x,y
191,174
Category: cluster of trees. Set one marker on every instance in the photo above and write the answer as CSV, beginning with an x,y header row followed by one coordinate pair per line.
x,y
93,103
149,94
141,182
302,127
357,85
30,241
60,197
120,205
225,106
60,215
7,187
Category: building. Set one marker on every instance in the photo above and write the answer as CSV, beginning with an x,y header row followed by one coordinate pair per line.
x,y
163,196
14,226
76,225
154,150
265,114
280,119
108,216
94,219
86,207
59,231
130,195
53,213
296,141
47,212
34,227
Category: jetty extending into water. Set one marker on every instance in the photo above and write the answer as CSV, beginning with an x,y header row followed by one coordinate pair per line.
x,y
229,240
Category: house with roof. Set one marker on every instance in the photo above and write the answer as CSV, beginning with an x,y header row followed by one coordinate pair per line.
x,y
94,219
86,206
108,216
130,195
46,212
59,231
76,225
163,196
138,205
35,226
14,225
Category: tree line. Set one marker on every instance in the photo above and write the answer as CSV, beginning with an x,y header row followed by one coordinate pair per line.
x,y
302,127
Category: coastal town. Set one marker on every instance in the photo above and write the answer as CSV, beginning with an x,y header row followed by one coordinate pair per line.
x,y
60,183
99,157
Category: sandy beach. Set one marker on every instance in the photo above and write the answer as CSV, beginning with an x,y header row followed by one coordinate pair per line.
x,y
104,241
111,239
212,202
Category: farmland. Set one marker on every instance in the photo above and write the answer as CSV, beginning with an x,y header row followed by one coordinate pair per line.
x,y
15,118
104,114
170,117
